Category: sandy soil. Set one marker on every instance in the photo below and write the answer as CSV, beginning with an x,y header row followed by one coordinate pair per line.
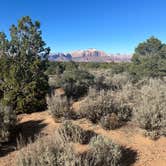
x,y
141,151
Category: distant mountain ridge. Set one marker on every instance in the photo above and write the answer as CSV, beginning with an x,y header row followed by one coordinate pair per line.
x,y
90,55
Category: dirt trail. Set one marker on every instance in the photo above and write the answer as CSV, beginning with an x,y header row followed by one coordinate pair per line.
x,y
143,151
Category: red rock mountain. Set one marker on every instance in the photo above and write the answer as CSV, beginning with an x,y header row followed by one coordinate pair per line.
x,y
89,55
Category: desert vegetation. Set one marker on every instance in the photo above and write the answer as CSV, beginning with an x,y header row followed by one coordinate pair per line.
x,y
110,95
150,113
60,107
104,108
58,149
7,122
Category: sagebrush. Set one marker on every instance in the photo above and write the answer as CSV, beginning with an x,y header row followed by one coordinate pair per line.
x,y
74,133
103,152
150,113
59,107
100,104
48,151
53,151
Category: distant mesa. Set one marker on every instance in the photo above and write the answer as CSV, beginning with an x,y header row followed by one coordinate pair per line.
x,y
89,55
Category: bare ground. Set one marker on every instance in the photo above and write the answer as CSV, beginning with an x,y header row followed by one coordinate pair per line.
x,y
140,151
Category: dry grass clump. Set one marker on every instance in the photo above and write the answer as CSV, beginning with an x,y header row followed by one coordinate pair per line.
x,y
59,107
105,108
7,122
73,133
150,113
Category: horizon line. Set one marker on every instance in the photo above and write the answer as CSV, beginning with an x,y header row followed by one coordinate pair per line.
x,y
73,50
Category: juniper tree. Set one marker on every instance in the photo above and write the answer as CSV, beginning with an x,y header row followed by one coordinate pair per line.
x,y
149,59
23,82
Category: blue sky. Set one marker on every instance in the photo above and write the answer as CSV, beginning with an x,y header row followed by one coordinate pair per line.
x,y
110,25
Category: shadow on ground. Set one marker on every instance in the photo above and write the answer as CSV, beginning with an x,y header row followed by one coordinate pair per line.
x,y
129,156
26,131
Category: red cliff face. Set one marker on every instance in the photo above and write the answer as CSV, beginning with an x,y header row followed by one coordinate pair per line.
x,y
89,55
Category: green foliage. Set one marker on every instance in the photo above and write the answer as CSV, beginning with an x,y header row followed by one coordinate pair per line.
x,y
57,68
7,122
149,60
60,67
73,80
120,67
76,82
22,65
150,48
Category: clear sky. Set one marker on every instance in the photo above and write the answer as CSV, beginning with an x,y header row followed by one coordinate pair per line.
x,y
110,25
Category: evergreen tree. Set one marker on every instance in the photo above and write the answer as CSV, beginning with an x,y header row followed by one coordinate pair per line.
x,y
23,62
149,48
149,59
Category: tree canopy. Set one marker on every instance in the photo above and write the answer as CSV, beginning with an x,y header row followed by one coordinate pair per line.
x,y
149,59
23,62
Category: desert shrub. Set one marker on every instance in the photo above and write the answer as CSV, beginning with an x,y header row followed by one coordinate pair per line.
x,y
122,109
100,83
73,133
76,82
109,122
55,68
47,151
103,152
118,68
54,81
119,80
150,113
59,67
100,72
109,81
129,94
53,151
7,122
95,105
56,71
105,83
103,104
59,107
116,81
